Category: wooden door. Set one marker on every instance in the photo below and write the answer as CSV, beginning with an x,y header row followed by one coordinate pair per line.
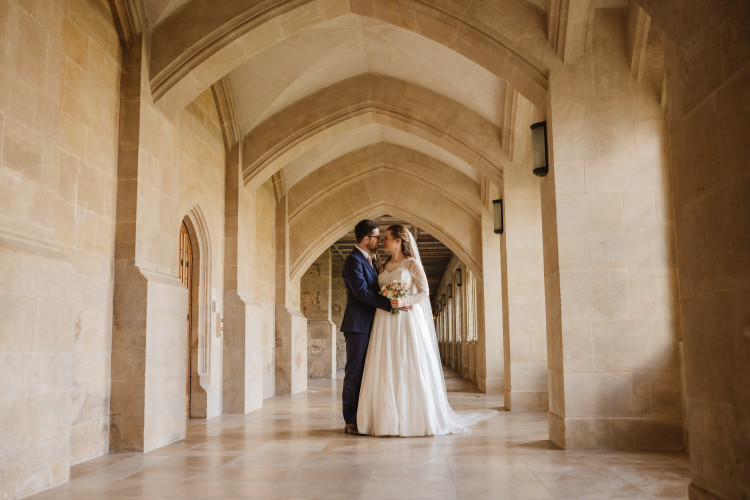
x,y
186,260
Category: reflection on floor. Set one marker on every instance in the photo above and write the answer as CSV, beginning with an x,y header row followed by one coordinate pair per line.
x,y
295,447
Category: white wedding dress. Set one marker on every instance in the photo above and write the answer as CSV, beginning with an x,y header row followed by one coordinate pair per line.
x,y
403,391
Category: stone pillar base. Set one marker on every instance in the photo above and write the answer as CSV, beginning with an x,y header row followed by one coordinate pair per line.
x,y
491,385
291,351
36,335
526,400
243,367
695,492
321,349
616,433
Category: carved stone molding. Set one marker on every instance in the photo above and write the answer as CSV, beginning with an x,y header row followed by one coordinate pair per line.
x,y
279,185
509,121
225,106
130,19
639,24
570,28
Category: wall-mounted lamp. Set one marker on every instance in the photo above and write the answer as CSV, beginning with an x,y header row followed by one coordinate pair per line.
x,y
497,207
539,147
443,299
458,276
450,291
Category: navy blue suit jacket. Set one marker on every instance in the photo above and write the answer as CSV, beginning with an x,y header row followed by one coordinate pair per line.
x,y
362,294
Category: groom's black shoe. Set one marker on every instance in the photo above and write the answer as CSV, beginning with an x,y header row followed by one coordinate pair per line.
x,y
351,429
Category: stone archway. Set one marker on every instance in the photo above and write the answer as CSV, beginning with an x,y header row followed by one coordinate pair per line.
x,y
201,304
186,62
338,175
330,217
365,99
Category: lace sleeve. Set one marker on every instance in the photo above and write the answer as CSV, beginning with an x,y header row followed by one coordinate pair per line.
x,y
419,279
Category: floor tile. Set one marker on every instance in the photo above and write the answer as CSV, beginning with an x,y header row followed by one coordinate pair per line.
x,y
295,448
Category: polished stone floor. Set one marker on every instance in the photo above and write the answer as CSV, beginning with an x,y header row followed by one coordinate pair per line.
x,y
295,448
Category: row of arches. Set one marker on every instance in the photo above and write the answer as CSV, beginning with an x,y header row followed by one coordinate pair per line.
x,y
333,149
318,203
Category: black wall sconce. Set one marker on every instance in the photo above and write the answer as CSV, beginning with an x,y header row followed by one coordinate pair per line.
x,y
458,276
443,299
497,207
539,147
450,291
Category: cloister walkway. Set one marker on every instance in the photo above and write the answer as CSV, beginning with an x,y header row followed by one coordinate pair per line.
x,y
294,448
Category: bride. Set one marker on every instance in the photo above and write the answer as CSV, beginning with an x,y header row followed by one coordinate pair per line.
x,y
403,391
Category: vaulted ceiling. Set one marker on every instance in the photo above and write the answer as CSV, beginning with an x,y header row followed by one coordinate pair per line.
x,y
313,82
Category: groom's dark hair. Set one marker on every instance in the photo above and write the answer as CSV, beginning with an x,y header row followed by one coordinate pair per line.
x,y
364,228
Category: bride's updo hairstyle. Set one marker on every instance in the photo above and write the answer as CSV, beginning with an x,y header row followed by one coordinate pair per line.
x,y
399,231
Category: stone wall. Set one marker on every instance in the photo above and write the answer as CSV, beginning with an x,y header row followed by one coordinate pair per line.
x,y
170,170
707,59
58,130
490,367
85,213
526,336
338,305
609,255
316,306
249,341
262,284
202,178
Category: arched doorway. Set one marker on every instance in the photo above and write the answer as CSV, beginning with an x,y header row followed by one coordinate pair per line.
x,y
185,273
195,275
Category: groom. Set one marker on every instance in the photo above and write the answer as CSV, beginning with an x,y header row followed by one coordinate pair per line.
x,y
362,298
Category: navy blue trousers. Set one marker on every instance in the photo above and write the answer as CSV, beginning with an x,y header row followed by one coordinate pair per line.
x,y
356,350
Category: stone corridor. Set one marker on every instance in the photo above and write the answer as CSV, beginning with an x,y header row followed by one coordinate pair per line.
x,y
294,448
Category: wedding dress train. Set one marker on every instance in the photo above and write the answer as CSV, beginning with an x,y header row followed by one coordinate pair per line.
x,y
403,390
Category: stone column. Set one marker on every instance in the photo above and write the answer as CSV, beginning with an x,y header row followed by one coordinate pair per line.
x,y
316,306
243,359
456,334
490,363
338,304
707,105
526,370
130,288
445,338
609,256
451,328
148,338
461,290
291,325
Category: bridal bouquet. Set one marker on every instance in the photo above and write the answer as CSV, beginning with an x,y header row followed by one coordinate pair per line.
x,y
393,290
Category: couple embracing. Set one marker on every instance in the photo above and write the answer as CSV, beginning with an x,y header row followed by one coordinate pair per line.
x,y
393,381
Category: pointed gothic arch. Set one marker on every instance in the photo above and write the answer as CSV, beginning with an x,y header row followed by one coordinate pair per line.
x,y
371,98
335,177
495,35
200,298
461,237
